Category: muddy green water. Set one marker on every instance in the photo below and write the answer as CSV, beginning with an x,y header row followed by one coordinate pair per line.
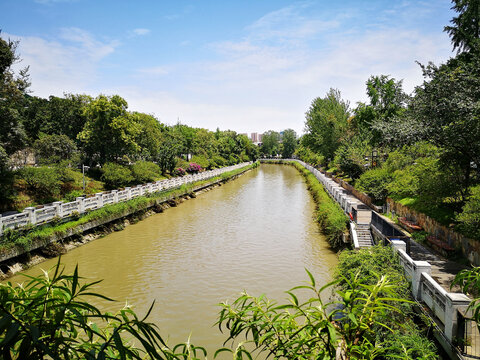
x,y
255,233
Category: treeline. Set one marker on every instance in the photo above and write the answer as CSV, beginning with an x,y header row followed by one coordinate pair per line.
x,y
422,149
120,147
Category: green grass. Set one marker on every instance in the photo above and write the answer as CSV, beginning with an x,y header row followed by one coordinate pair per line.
x,y
443,213
330,215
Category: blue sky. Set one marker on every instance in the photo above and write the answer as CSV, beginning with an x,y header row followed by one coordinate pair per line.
x,y
248,66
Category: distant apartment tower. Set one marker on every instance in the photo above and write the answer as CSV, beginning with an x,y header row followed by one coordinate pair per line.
x,y
254,137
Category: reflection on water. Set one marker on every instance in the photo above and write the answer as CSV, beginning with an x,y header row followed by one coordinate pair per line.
x,y
255,233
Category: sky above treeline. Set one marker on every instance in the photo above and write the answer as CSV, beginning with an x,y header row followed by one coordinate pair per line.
x,y
248,66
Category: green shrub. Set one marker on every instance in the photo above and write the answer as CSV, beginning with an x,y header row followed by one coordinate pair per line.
x,y
201,160
44,182
330,215
404,184
145,172
244,157
309,156
469,218
116,176
407,340
374,182
181,163
233,159
72,195
219,161
52,149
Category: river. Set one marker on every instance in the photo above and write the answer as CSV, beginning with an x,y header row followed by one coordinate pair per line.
x,y
256,233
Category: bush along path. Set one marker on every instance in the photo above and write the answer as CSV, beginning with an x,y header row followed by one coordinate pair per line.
x,y
17,242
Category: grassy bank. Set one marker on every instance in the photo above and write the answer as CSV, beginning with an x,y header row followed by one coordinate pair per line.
x,y
330,215
24,239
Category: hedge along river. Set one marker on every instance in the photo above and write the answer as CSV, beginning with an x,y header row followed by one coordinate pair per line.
x,y
256,233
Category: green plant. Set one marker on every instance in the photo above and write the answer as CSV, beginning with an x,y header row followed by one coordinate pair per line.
x,y
72,195
313,329
51,316
44,182
116,176
469,218
375,183
145,171
330,215
406,340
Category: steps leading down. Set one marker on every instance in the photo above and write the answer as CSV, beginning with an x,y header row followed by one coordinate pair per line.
x,y
364,235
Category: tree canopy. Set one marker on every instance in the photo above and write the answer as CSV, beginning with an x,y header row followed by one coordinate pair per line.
x,y
465,29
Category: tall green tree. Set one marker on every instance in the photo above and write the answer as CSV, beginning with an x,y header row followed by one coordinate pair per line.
x,y
270,143
186,135
13,88
110,132
446,109
55,116
148,136
326,123
169,147
465,29
387,101
289,140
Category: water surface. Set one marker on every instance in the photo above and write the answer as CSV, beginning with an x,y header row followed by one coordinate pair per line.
x,y
256,233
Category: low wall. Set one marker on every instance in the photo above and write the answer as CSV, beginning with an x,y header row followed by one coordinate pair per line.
x,y
468,247
367,200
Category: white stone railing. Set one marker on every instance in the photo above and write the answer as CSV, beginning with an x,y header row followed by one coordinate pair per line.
x,y
443,305
45,214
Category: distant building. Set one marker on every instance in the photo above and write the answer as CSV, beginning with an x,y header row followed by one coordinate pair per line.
x,y
256,138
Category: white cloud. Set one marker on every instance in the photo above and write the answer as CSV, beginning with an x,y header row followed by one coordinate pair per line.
x,y
141,31
68,64
289,24
256,88
263,80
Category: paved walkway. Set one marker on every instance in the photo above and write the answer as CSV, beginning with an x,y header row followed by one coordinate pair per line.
x,y
443,270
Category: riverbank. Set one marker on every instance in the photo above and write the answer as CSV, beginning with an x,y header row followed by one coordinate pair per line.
x,y
20,250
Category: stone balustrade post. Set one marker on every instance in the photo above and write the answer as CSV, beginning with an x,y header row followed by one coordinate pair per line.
x,y
1,225
455,302
148,188
419,267
58,208
399,244
129,193
80,205
115,196
141,190
32,217
99,198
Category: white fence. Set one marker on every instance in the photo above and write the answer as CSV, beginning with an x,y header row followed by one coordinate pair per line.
x,y
44,214
442,305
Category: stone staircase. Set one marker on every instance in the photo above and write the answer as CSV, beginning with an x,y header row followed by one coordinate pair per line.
x,y
364,235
